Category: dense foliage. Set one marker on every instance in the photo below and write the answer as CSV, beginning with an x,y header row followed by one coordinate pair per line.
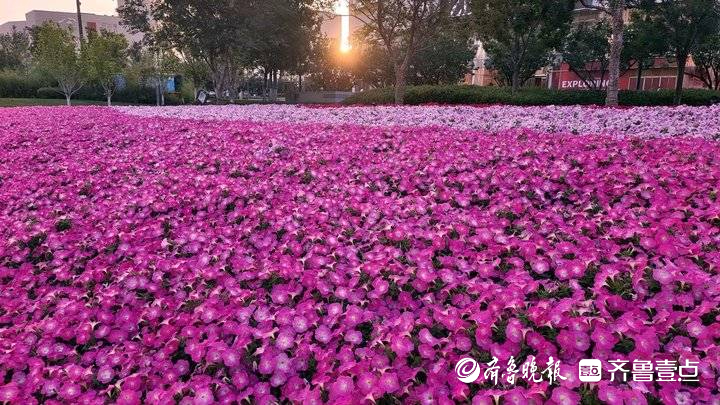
x,y
530,96
586,51
519,36
14,50
104,57
232,36
685,25
444,58
401,27
56,55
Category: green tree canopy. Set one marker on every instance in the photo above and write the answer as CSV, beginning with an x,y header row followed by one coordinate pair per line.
x,y
519,35
445,57
220,35
685,25
14,50
104,58
402,26
586,51
56,55
643,43
284,35
707,62
231,36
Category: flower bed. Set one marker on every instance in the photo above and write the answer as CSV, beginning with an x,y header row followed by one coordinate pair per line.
x,y
645,122
153,260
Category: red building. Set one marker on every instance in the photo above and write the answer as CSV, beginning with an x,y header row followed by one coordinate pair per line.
x,y
662,75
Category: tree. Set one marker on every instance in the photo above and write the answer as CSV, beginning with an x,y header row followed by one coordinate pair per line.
x,y
55,53
154,69
444,57
231,36
14,50
707,62
374,68
81,35
220,35
104,58
196,71
685,24
401,26
586,50
643,43
273,49
518,35
329,70
615,10
136,16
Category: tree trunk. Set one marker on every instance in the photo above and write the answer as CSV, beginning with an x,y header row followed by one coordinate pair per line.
x,y
273,85
157,94
67,100
639,86
616,45
400,83
81,35
265,84
681,62
109,100
515,80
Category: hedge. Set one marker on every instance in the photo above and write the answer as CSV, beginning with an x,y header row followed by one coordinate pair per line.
x,y
18,85
464,94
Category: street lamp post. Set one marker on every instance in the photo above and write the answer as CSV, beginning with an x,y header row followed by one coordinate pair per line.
x,y
80,24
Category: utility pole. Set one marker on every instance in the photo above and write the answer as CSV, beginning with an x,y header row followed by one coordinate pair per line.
x,y
81,35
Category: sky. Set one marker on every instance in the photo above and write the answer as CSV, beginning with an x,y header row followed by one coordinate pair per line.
x,y
14,10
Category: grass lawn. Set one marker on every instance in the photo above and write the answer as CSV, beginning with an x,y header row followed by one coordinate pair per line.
x,y
19,102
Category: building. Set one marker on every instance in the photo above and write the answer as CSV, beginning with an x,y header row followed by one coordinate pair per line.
x,y
661,75
480,75
340,25
91,22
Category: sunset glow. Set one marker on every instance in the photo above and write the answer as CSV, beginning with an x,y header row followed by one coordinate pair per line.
x,y
343,10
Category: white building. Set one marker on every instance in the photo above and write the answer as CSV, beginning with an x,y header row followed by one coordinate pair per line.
x,y
68,19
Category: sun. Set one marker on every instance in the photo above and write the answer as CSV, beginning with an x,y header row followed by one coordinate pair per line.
x,y
342,8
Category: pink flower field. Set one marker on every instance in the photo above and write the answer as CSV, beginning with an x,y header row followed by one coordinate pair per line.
x,y
263,254
644,122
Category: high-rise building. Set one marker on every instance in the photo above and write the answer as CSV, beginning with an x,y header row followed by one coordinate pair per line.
x,y
91,22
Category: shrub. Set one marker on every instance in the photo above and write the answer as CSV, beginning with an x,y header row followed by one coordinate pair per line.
x,y
20,85
135,94
15,84
49,92
463,94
